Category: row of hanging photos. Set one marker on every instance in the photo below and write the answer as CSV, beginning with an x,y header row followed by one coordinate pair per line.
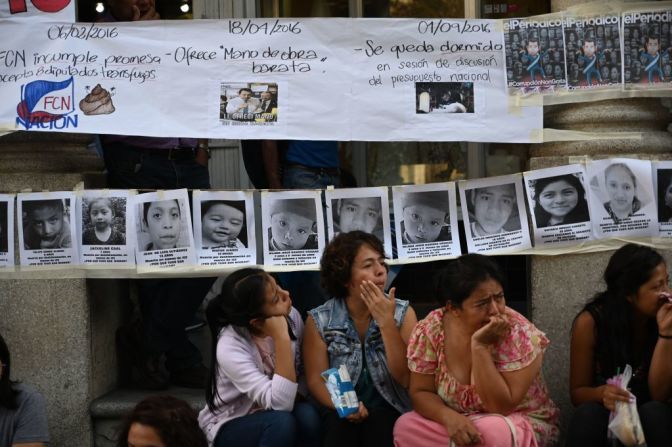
x,y
569,206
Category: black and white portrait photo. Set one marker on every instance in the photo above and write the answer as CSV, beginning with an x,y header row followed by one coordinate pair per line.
x,y
293,225
426,217
559,205
494,214
164,234
293,228
224,228
104,220
622,198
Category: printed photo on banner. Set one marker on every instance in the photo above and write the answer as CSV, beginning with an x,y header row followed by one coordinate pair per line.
x,y
647,49
163,228
534,51
444,97
558,205
426,221
46,231
293,228
622,201
6,231
224,229
593,52
103,223
248,102
493,210
361,209
663,180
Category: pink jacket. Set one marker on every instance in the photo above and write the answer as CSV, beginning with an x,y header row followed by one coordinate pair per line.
x,y
242,382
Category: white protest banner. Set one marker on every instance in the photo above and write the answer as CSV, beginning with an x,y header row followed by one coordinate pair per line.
x,y
423,79
341,79
31,11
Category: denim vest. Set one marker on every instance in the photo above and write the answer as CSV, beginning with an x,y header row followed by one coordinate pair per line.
x,y
344,347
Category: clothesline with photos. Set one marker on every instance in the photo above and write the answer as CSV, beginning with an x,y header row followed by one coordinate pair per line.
x,y
590,206
351,79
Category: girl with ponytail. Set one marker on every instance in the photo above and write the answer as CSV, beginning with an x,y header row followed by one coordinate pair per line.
x,y
254,384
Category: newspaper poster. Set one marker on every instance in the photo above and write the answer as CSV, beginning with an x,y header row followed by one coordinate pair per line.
x,y
163,229
621,201
248,103
425,219
224,228
359,209
28,12
46,230
593,51
558,205
646,49
293,228
103,222
663,185
535,55
6,231
493,210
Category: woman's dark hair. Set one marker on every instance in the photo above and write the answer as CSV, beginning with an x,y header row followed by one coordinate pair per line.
x,y
240,301
7,392
628,269
664,181
174,420
460,277
578,214
337,259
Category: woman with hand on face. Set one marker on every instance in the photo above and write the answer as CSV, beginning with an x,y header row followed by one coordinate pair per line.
x,y
253,388
365,330
559,200
629,323
476,368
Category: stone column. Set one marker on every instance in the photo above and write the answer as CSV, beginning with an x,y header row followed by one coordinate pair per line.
x,y
60,331
561,285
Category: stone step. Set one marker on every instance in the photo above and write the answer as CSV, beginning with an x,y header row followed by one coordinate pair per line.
x,y
61,137
48,157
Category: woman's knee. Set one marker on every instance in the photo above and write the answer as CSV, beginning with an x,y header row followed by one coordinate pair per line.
x,y
281,428
589,421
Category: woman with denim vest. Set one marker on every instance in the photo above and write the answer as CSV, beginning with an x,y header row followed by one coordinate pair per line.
x,y
365,330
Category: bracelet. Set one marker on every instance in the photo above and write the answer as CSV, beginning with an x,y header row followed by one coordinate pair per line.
x,y
666,337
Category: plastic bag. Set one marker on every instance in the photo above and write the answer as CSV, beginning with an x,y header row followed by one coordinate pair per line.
x,y
341,390
624,421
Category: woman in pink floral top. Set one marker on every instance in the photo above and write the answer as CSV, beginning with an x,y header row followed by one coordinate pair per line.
x,y
476,368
